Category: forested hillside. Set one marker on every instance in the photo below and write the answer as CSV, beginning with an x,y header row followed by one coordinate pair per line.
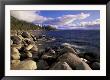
x,y
22,25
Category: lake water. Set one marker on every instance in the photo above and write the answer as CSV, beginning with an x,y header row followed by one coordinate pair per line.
x,y
83,40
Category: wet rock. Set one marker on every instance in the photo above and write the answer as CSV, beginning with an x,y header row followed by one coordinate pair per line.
x,y
95,66
83,59
61,66
25,35
26,65
16,39
65,44
73,61
42,65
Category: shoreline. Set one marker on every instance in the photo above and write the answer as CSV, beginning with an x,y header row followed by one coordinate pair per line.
x,y
25,51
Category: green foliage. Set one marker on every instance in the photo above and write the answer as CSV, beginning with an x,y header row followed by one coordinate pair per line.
x,y
22,25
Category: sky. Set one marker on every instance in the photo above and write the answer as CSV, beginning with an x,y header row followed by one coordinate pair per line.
x,y
61,19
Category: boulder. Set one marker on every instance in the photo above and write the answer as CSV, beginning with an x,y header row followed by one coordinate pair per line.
x,y
14,50
25,35
17,46
45,56
28,47
29,54
15,56
73,61
67,49
16,39
15,53
42,65
14,63
60,66
95,66
26,65
28,41
20,37
65,44
51,51
83,59
83,66
34,48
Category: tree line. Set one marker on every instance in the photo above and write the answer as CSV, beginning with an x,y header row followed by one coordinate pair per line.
x,y
23,25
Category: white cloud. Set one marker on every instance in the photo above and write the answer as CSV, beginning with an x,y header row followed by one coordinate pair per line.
x,y
66,19
90,23
28,16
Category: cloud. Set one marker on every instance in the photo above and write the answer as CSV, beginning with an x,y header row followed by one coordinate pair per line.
x,y
90,23
29,16
66,19
62,22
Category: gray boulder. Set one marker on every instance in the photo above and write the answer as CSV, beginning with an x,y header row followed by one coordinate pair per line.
x,y
74,61
60,66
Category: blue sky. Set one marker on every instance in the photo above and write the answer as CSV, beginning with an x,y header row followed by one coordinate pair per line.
x,y
62,19
57,13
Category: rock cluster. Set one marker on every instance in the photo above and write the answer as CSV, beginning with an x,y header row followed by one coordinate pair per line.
x,y
25,55
22,49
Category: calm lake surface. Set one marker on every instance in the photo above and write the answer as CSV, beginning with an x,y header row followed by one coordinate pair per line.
x,y
82,40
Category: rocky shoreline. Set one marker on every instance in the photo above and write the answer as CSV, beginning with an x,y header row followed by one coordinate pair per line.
x,y
26,55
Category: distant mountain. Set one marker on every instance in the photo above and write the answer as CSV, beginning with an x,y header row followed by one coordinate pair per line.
x,y
23,25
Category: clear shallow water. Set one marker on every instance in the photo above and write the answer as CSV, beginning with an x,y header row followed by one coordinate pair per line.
x,y
83,40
